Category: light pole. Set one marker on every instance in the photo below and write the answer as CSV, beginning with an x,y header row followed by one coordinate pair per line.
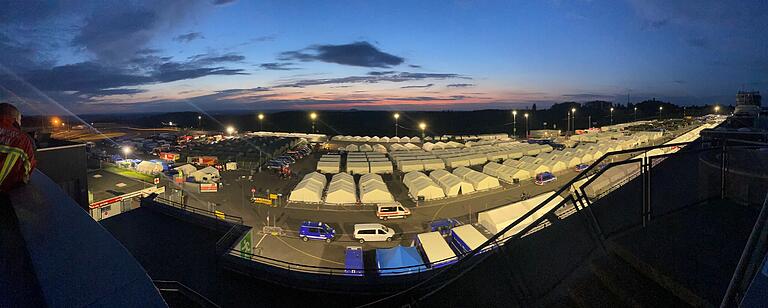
x,y
660,108
611,115
397,116
514,123
568,124
717,109
573,122
199,122
261,121
126,151
313,117
526,125
635,114
230,130
423,126
589,121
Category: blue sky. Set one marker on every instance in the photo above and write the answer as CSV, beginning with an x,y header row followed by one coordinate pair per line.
x,y
137,56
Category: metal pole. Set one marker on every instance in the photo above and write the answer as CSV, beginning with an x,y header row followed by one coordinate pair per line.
x,y
514,125
395,127
568,125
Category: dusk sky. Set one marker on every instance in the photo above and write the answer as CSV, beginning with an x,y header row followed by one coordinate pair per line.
x,y
175,55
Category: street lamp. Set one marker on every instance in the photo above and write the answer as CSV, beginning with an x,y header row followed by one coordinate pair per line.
x,y
199,122
526,124
397,116
313,117
514,123
611,115
573,113
423,126
635,114
717,109
126,151
660,108
261,121
230,130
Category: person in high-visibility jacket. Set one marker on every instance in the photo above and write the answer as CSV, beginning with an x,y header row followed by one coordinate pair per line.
x,y
17,150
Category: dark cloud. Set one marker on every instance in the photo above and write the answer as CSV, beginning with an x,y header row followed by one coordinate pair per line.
x,y
109,92
428,98
355,54
414,66
460,85
275,66
172,71
211,59
186,38
381,73
587,96
239,91
375,78
414,87
222,2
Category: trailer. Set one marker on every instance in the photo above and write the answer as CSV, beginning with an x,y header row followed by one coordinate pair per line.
x,y
435,249
467,238
353,261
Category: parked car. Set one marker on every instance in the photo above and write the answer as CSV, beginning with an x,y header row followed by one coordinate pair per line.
x,y
373,233
581,167
316,231
544,178
385,212
444,226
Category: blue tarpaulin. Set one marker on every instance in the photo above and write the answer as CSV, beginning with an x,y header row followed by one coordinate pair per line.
x,y
399,260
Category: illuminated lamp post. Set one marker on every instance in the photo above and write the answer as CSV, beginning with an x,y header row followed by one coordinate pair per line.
x,y
526,125
573,122
261,121
514,123
423,126
660,108
126,151
397,116
313,117
611,115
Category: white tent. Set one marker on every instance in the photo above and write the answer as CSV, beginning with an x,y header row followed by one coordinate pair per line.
x,y
379,148
366,148
477,159
426,188
436,249
415,139
411,176
405,139
534,169
352,148
433,164
512,163
530,160
358,167
411,146
499,218
555,166
206,175
394,139
410,165
328,166
310,189
478,180
373,189
148,167
341,190
570,160
385,139
455,162
185,170
381,166
505,173
452,185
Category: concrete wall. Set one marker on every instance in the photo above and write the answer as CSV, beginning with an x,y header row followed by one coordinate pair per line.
x,y
66,166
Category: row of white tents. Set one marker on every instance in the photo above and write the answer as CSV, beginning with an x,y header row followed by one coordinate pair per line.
x,y
420,186
374,139
341,189
364,148
329,163
368,162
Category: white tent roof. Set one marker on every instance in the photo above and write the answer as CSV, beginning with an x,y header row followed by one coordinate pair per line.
x,y
452,185
366,148
469,235
435,247
352,148
478,180
381,166
341,190
307,190
375,192
425,187
186,170
497,219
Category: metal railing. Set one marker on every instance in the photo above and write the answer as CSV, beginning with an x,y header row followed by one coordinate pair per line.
x,y
174,287
191,209
749,262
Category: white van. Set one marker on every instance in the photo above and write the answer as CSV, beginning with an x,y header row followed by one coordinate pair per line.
x,y
373,233
395,210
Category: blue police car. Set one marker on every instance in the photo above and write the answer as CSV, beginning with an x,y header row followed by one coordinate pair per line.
x,y
316,231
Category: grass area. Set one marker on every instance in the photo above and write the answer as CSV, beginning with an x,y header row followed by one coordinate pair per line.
x,y
129,173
